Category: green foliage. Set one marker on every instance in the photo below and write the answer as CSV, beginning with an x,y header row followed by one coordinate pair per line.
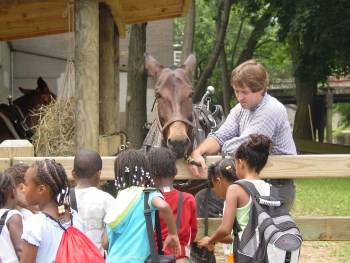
x,y
270,52
320,33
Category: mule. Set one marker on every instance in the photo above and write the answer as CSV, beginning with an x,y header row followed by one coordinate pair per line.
x,y
180,124
16,119
174,98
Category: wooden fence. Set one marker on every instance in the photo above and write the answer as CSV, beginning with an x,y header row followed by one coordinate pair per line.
x,y
331,228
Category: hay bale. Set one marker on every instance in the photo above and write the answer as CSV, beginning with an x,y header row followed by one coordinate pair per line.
x,y
54,135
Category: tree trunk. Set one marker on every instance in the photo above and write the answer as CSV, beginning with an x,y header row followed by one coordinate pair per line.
x,y
137,86
223,12
187,46
304,94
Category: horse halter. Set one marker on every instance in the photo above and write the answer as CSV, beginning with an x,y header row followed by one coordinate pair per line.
x,y
171,120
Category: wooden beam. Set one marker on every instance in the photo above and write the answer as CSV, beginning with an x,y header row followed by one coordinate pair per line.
x,y
321,148
278,167
86,20
186,7
19,19
146,15
4,163
336,228
118,15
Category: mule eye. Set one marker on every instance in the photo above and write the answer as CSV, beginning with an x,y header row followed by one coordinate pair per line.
x,y
191,95
156,95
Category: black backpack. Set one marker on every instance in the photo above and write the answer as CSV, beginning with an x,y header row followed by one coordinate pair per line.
x,y
271,234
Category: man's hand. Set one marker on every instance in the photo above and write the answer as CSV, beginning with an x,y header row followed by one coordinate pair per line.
x,y
194,161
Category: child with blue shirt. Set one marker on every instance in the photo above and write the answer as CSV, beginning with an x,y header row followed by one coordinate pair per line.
x,y
125,220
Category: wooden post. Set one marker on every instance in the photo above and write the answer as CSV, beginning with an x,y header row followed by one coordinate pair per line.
x,y
329,105
108,96
86,74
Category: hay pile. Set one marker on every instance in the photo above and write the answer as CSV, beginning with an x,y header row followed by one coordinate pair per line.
x,y
54,135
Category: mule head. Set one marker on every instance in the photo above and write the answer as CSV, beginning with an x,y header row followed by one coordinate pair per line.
x,y
33,99
174,96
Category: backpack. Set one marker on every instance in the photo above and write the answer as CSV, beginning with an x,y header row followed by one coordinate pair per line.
x,y
271,235
3,219
76,247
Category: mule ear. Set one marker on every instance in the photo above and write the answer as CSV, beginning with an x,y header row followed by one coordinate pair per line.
x,y
24,91
153,67
42,85
190,64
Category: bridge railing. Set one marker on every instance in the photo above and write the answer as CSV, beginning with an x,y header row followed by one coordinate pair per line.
x,y
331,228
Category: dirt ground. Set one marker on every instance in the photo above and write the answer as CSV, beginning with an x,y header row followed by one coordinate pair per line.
x,y
311,252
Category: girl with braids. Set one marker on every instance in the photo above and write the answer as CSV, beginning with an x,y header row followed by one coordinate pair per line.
x,y
251,157
11,221
47,187
126,224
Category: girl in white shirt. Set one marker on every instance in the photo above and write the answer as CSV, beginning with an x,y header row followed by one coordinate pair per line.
x,y
10,235
47,187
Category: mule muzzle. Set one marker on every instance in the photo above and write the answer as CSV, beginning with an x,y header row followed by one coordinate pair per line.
x,y
179,147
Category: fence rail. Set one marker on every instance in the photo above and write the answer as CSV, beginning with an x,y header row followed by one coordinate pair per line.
x,y
312,166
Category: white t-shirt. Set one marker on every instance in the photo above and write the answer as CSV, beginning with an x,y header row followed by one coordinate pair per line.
x,y
7,251
41,231
92,206
25,214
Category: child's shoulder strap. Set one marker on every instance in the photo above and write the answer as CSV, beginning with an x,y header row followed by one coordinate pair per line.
x,y
73,199
150,189
3,219
249,187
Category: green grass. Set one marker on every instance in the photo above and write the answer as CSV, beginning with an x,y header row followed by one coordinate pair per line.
x,y
324,197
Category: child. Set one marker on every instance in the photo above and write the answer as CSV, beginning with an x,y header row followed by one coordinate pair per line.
x,y
92,203
126,225
47,186
10,235
163,169
222,174
251,157
17,172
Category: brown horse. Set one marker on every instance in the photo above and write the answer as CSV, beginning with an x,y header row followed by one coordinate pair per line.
x,y
16,119
173,94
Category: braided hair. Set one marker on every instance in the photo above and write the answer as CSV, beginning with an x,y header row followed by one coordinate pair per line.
x,y
255,151
225,168
131,168
6,184
162,162
53,174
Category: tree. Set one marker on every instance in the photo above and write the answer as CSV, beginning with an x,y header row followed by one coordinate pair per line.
x,y
137,86
223,14
188,37
318,33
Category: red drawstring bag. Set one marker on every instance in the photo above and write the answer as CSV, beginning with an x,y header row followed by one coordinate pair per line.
x,y
76,247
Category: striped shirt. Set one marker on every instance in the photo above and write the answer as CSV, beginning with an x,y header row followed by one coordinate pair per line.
x,y
269,117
